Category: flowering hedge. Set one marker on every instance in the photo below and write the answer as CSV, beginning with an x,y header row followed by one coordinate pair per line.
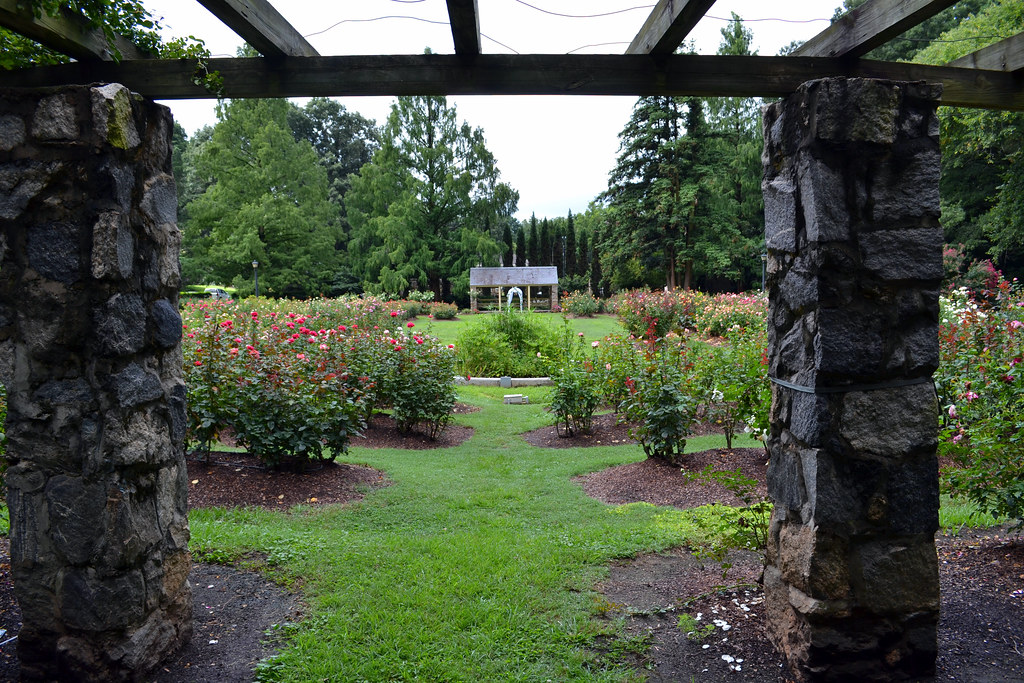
x,y
300,383
664,384
716,316
654,314
980,385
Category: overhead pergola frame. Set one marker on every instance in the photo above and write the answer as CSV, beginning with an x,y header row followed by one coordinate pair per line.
x,y
991,78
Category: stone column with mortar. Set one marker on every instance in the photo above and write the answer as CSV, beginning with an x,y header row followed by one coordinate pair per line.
x,y
90,356
851,171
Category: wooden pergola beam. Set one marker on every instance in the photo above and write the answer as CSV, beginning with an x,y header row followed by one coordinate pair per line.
x,y
870,25
1006,55
262,26
627,75
67,33
465,20
667,26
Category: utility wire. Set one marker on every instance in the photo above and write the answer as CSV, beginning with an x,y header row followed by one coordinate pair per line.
x,y
392,16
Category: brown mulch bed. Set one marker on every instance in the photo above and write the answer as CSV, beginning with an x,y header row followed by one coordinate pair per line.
x,y
981,575
655,481
606,430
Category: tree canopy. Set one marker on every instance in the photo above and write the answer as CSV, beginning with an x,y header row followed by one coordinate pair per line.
x,y
424,207
265,200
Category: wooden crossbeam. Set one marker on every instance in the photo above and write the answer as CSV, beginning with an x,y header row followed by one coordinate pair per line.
x,y
870,25
465,20
1006,55
262,26
667,26
66,33
629,75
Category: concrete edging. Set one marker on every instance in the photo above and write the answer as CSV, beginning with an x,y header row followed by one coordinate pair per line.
x,y
508,381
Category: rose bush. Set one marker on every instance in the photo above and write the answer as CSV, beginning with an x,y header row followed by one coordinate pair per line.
x,y
981,387
733,381
662,401
714,316
577,388
297,380
580,304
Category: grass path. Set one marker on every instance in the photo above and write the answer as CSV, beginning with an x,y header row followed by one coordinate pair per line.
x,y
477,564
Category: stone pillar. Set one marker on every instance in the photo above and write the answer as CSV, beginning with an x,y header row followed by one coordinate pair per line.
x,y
554,297
851,171
90,355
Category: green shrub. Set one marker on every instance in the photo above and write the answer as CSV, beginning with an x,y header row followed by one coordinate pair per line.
x,y
423,297
512,343
443,311
580,304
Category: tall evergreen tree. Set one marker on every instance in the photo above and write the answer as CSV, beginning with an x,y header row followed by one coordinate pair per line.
x,y
545,244
582,253
533,243
734,124
509,246
596,274
570,246
666,208
521,246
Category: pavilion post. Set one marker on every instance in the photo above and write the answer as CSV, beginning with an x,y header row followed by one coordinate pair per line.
x,y
91,359
851,170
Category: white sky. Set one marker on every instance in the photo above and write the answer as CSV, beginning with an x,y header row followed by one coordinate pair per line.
x,y
555,150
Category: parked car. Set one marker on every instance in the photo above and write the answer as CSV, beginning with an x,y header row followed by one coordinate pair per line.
x,y
217,293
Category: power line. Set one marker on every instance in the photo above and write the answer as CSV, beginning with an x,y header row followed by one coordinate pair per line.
x,y
584,47
583,16
391,16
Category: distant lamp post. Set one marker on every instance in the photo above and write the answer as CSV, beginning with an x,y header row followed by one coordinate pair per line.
x,y
764,266
256,276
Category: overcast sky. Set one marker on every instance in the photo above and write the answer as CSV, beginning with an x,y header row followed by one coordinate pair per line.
x,y
556,151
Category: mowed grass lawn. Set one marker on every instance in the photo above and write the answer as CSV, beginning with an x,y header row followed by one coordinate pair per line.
x,y
593,329
478,563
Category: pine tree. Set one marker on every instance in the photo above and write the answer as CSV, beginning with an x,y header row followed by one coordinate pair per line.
x,y
508,244
596,276
521,246
534,249
582,254
545,244
570,247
